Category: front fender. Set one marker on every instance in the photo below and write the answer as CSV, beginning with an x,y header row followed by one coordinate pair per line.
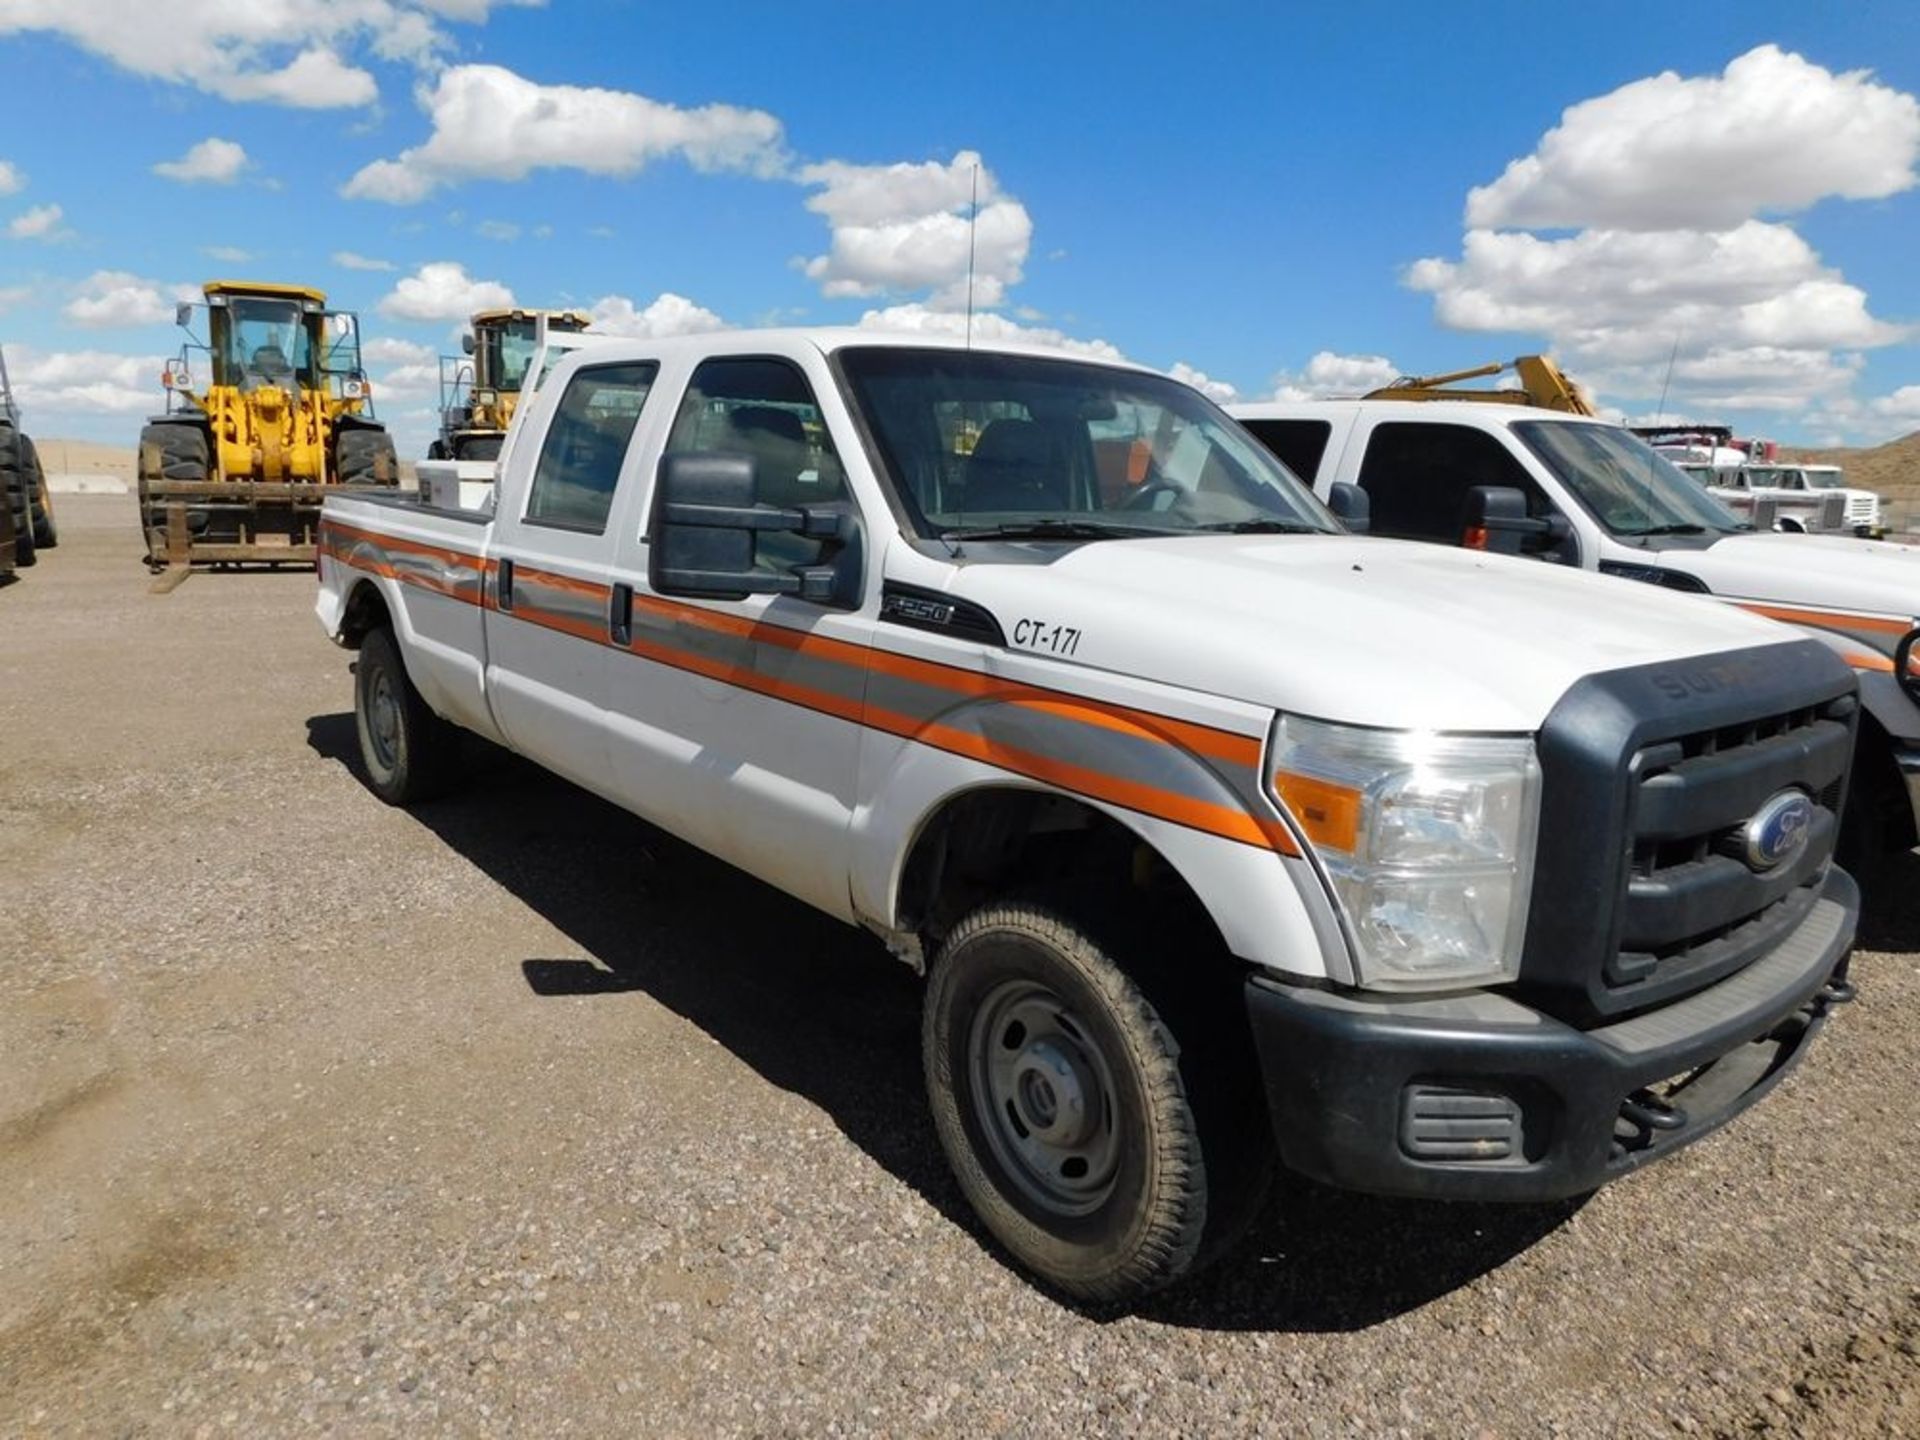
x,y
1201,813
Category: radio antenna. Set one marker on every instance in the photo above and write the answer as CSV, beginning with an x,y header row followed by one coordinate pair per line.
x,y
973,224
1661,408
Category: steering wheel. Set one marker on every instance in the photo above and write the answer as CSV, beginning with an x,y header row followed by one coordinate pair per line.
x,y
1143,494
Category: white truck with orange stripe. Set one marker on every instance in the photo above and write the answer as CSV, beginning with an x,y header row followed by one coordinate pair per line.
x,y
1219,833
1585,493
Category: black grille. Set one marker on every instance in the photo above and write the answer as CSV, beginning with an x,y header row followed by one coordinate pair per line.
x,y
1641,893
1693,909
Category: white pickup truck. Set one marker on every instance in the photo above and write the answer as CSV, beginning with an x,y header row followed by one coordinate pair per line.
x,y
1211,825
1593,496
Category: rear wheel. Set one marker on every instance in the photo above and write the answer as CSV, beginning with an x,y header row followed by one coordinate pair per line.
x,y
16,484
408,751
40,500
364,455
1108,1156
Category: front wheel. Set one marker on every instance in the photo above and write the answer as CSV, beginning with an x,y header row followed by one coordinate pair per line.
x,y
408,752
1095,1147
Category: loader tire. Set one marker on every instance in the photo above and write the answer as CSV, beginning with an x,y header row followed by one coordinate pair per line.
x,y
480,447
179,452
16,483
45,535
407,752
365,456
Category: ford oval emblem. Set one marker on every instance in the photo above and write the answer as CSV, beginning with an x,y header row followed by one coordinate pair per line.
x,y
1778,829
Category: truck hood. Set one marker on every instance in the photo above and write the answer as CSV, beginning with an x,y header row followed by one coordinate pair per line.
x,y
1372,632
1807,570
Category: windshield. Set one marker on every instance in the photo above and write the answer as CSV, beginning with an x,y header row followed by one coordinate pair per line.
x,y
981,444
266,343
1623,483
506,352
1824,479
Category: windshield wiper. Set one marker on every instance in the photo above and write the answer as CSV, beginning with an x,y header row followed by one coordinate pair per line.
x,y
1051,530
1263,527
1666,530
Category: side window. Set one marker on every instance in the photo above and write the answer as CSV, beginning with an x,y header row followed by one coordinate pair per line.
x,y
1299,444
1417,477
765,410
579,464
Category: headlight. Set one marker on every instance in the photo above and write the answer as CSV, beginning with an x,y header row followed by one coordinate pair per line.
x,y
1428,839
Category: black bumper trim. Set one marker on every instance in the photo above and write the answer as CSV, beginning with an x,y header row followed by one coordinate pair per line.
x,y
1339,1064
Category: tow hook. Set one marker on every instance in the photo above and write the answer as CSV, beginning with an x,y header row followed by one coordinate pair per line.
x,y
1838,990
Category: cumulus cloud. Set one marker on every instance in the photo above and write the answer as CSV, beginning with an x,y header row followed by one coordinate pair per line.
x,y
919,319
116,299
492,124
84,381
1774,132
668,315
442,290
1664,184
213,161
1617,295
497,230
227,254
897,229
42,222
254,50
1218,391
348,260
390,350
1329,374
11,180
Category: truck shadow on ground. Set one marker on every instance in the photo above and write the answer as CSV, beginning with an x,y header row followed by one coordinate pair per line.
x,y
821,1010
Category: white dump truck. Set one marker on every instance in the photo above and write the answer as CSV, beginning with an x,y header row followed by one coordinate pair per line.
x,y
1217,831
1590,495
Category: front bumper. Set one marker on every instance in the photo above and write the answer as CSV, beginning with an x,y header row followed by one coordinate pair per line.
x,y
1478,1097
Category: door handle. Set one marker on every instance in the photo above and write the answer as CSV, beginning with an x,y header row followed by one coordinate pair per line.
x,y
503,585
620,615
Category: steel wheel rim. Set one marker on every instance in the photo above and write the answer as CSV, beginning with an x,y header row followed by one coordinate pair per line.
x,y
1043,1096
383,719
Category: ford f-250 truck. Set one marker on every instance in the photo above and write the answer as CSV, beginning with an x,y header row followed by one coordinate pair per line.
x,y
1214,828
1588,494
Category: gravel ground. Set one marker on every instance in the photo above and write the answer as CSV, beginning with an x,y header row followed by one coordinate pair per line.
x,y
514,1115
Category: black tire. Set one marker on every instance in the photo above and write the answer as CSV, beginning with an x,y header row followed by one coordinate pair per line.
x,y
480,447
364,455
45,534
175,450
1027,1012
15,492
408,752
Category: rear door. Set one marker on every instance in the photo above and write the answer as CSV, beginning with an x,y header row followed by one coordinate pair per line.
x,y
547,615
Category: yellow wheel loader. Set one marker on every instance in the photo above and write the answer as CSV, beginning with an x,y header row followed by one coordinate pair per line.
x,y
479,390
271,410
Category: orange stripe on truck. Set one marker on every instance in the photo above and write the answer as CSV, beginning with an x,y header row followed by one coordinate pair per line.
x,y
1228,822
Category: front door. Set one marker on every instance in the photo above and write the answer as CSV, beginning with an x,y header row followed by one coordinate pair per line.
x,y
738,720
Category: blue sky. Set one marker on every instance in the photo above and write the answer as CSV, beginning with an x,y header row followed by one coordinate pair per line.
x,y
1245,192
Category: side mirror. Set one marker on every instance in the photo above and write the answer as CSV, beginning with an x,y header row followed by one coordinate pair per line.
x,y
183,316
1351,507
705,518
466,343
1497,520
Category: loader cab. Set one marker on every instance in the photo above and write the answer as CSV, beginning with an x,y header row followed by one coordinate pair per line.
x,y
272,337
504,342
